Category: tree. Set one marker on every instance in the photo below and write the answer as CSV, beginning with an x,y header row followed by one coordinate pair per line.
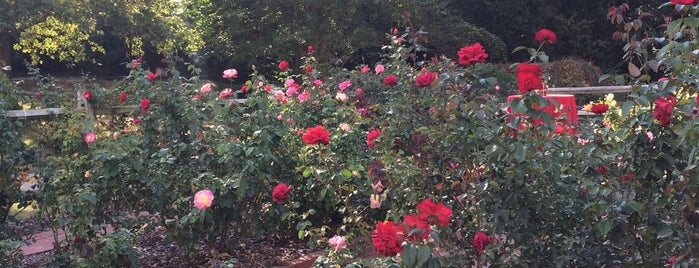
x,y
63,31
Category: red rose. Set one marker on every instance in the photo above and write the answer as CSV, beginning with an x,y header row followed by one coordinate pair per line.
x,y
480,240
122,96
310,49
283,66
434,213
309,68
412,222
599,108
372,136
602,170
316,135
145,103
626,178
392,80
528,77
152,76
136,121
471,54
281,192
663,110
545,35
425,79
682,2
87,95
387,239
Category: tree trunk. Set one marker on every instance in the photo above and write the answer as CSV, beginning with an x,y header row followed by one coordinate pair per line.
x,y
5,50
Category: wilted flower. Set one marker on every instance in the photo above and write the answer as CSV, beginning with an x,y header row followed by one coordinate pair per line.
x,y
374,201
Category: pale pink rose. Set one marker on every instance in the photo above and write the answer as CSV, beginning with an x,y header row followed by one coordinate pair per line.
x,y
289,82
341,97
379,69
90,137
650,135
206,88
345,84
203,199
345,127
230,73
338,242
374,201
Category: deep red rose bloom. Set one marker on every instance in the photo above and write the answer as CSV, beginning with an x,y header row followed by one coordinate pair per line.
x,y
372,136
425,79
599,108
434,213
136,121
283,66
682,2
310,49
392,80
480,241
316,135
87,95
309,68
412,222
545,35
663,109
528,77
626,178
122,96
145,103
281,192
152,76
387,239
602,170
471,54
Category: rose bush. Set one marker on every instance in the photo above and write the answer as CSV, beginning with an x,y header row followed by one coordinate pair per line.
x,y
422,161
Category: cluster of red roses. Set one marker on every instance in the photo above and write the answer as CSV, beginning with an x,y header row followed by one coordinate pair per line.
x,y
529,74
388,236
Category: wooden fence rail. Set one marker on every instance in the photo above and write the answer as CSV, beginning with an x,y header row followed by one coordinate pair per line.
x,y
84,105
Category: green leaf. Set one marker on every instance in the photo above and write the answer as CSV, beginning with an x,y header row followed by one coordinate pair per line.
x,y
423,255
604,227
663,233
409,256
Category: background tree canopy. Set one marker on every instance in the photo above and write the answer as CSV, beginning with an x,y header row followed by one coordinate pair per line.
x,y
240,34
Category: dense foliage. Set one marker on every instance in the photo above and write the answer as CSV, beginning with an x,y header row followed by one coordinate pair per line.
x,y
424,160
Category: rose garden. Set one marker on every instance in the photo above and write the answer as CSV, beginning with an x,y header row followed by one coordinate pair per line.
x,y
411,161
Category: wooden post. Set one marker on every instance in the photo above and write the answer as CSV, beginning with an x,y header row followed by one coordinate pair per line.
x,y
85,105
